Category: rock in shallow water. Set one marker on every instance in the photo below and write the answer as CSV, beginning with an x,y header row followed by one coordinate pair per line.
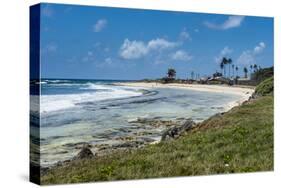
x,y
85,153
177,130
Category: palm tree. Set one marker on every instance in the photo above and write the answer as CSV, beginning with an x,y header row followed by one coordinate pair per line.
x,y
233,70
171,73
222,67
236,68
229,61
246,72
224,62
251,67
255,67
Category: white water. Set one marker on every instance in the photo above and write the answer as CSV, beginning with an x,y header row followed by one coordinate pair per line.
x,y
54,102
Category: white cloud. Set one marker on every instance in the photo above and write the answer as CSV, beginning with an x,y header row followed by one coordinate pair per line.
x,y
133,49
184,35
231,22
137,49
160,44
100,25
108,61
223,53
181,55
258,49
226,51
248,57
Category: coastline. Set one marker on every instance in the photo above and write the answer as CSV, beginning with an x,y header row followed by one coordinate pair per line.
x,y
199,140
223,143
244,92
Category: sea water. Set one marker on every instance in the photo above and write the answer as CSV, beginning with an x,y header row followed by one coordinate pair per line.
x,y
99,112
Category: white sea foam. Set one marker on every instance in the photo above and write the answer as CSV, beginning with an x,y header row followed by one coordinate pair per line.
x,y
97,87
63,101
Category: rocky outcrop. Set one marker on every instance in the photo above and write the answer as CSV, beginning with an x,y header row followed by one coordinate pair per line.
x,y
178,130
85,153
154,122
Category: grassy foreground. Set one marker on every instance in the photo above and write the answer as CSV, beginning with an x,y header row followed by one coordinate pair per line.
x,y
241,140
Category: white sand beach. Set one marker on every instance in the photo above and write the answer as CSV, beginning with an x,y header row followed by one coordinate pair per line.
x,y
244,92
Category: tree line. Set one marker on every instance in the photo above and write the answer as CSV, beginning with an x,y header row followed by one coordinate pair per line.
x,y
225,62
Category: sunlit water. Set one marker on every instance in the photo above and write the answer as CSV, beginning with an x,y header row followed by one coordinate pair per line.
x,y
98,112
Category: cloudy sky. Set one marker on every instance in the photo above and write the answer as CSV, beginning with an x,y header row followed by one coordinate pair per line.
x,y
110,43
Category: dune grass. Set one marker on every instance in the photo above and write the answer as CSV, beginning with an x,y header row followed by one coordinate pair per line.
x,y
239,141
266,87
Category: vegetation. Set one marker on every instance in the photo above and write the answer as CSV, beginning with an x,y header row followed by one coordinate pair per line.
x,y
224,63
245,72
236,69
266,87
217,74
171,73
261,74
255,72
240,140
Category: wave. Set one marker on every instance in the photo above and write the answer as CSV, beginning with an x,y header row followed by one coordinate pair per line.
x,y
55,102
57,81
92,86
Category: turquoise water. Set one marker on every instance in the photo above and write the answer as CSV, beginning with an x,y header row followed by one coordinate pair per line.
x,y
97,112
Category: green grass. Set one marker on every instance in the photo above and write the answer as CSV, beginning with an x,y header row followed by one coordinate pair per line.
x,y
239,141
266,87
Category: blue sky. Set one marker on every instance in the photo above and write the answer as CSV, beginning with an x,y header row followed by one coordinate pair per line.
x,y
113,43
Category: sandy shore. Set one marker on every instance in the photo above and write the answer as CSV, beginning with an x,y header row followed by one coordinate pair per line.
x,y
244,92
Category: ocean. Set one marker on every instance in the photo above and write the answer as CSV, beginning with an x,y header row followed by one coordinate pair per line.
x,y
101,113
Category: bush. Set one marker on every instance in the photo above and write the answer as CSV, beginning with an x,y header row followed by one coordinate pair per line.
x,y
262,74
266,87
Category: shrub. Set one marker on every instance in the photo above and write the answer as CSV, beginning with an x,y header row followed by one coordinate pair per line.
x,y
266,87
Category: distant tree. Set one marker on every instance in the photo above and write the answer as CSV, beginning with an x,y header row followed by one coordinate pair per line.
x,y
224,61
171,73
233,70
236,68
255,68
262,74
229,62
222,67
251,68
217,74
246,72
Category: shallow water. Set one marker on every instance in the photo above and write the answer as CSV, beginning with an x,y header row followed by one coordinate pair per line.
x,y
97,112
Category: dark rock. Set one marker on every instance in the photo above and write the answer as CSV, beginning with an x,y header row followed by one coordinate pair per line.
x,y
85,153
133,144
178,130
154,122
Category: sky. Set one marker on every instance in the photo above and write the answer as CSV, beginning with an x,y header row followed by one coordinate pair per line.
x,y
87,42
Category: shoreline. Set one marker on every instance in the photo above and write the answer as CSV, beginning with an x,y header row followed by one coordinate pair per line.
x,y
194,139
244,92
